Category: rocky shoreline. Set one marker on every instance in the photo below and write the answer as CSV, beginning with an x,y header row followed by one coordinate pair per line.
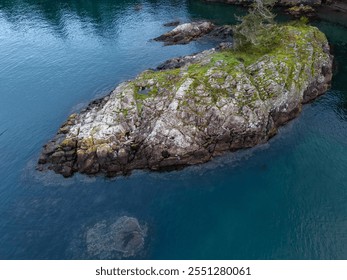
x,y
187,32
194,108
285,3
299,8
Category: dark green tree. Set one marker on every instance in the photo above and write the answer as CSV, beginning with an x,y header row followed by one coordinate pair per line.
x,y
255,25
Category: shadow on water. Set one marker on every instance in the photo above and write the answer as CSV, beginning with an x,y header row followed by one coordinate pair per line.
x,y
101,14
216,12
336,32
55,13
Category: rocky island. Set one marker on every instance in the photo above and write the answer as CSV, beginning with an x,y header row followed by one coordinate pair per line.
x,y
195,107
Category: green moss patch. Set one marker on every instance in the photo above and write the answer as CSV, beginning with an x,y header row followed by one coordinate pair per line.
x,y
285,48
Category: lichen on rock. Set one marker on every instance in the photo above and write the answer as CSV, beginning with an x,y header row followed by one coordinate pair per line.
x,y
195,108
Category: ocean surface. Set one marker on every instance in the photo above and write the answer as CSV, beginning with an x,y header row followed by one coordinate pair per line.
x,y
286,199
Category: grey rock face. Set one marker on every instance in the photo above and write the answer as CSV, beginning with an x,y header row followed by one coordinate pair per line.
x,y
302,10
186,32
198,107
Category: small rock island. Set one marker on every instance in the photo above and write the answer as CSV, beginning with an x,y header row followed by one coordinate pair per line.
x,y
195,107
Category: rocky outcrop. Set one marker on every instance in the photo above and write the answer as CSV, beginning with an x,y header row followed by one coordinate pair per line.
x,y
279,2
215,101
302,10
187,32
180,62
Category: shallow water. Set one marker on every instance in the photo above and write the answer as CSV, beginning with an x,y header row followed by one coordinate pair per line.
x,y
283,200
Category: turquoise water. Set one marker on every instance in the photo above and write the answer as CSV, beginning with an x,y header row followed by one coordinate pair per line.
x,y
283,200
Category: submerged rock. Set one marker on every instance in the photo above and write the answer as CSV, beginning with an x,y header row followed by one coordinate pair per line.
x,y
172,23
198,107
125,238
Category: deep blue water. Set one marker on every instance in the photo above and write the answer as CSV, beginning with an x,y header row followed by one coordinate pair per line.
x,y
283,200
